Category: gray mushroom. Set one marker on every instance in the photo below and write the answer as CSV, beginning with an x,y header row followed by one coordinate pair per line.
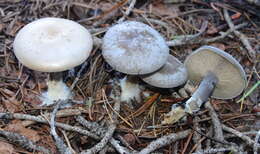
x,y
134,48
172,74
218,73
53,45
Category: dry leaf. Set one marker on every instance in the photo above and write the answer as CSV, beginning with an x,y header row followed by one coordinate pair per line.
x,y
13,30
47,141
31,98
130,138
174,115
219,45
6,148
165,10
12,105
211,29
1,27
17,127
256,109
7,92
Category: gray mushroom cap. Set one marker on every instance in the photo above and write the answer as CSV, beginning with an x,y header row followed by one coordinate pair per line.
x,y
172,74
134,48
230,74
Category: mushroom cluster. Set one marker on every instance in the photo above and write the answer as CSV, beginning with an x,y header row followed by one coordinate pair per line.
x,y
53,45
137,49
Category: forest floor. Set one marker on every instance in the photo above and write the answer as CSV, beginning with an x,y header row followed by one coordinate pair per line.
x,y
95,126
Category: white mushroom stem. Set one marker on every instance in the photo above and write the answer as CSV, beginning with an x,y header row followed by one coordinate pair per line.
x,y
130,90
202,94
57,90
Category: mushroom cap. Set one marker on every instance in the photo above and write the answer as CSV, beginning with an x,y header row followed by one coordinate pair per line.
x,y
134,48
230,74
172,74
52,44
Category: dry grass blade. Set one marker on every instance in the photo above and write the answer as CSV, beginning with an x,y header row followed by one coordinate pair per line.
x,y
105,98
146,105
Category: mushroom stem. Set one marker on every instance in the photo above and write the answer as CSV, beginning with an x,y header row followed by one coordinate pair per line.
x,y
202,94
57,90
130,90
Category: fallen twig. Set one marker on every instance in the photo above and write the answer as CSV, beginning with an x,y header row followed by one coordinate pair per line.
x,y
128,11
247,139
197,136
58,141
222,34
100,131
218,133
42,120
256,145
92,126
109,133
23,141
164,140
215,150
106,134
186,39
99,146
193,39
240,35
83,66
61,113
249,133
187,143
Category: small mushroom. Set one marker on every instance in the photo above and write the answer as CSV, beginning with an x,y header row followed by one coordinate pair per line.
x,y
53,45
218,73
134,48
172,74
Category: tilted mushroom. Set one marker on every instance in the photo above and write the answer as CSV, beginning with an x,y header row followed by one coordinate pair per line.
x,y
53,45
172,74
134,48
219,74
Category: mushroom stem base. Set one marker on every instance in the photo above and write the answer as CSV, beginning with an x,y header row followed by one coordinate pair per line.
x,y
130,90
202,94
57,90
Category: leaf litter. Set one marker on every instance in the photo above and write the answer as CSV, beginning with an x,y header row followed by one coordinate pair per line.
x,y
20,87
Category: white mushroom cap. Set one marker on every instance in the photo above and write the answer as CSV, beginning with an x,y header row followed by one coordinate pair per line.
x,y
172,74
52,44
230,74
134,48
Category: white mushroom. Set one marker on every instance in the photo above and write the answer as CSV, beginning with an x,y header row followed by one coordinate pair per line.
x,y
53,45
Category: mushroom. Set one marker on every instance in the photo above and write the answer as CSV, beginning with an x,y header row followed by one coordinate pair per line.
x,y
219,74
134,48
172,74
53,45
